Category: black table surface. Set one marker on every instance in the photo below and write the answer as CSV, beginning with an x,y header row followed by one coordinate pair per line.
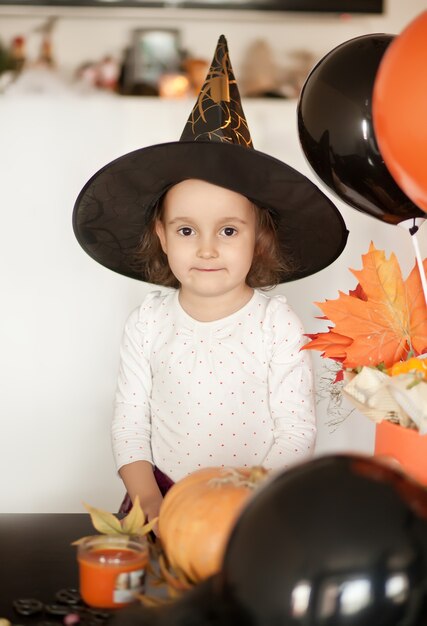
x,y
37,558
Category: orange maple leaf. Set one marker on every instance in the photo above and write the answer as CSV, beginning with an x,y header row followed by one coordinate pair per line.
x,y
332,344
381,321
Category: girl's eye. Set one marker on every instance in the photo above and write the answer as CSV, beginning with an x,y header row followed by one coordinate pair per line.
x,y
228,231
186,231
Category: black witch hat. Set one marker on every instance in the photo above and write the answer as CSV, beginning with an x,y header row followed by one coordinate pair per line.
x,y
115,206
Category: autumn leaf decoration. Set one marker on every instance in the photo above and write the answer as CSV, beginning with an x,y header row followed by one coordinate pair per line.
x,y
384,320
108,524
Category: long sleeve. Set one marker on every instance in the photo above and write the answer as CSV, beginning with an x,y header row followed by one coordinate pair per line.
x,y
290,383
131,425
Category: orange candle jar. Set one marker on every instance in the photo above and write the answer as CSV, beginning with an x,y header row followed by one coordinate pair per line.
x,y
112,569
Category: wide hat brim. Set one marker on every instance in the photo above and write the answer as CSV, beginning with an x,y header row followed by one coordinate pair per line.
x,y
115,207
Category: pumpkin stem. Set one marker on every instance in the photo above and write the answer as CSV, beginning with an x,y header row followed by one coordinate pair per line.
x,y
257,474
240,477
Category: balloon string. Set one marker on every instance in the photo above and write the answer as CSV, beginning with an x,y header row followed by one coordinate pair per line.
x,y
420,265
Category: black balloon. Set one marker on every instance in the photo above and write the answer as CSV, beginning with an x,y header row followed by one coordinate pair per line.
x,y
336,130
337,541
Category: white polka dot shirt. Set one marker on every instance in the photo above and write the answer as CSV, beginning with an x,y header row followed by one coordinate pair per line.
x,y
236,391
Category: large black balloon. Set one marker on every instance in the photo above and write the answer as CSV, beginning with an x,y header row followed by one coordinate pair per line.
x,y
338,541
336,130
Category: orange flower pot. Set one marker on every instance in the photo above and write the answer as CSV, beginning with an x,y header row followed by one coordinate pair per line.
x,y
405,445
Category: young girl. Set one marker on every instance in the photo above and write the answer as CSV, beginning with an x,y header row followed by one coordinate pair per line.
x,y
211,372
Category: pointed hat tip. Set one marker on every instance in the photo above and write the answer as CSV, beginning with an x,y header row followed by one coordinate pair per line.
x,y
218,114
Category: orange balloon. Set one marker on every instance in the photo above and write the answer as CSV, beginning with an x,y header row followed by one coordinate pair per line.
x,y
399,108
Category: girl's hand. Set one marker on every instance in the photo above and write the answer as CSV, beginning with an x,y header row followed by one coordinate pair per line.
x,y
139,481
151,509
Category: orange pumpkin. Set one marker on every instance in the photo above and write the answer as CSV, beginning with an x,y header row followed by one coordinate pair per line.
x,y
198,514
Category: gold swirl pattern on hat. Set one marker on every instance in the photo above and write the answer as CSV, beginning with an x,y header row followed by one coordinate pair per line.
x,y
218,114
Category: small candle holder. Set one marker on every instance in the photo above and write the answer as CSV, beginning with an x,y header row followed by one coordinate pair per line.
x,y
112,565
112,569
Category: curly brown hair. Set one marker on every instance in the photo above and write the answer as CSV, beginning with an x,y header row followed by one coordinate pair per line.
x,y
267,266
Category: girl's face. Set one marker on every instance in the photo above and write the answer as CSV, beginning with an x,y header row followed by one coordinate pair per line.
x,y
208,235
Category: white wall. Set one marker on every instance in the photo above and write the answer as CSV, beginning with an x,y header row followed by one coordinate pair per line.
x,y
62,314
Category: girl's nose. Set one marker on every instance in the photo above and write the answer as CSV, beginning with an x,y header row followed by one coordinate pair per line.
x,y
207,249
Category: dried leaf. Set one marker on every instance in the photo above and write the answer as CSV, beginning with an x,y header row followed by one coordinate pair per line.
x,y
381,321
104,522
153,601
133,524
176,580
134,520
147,527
